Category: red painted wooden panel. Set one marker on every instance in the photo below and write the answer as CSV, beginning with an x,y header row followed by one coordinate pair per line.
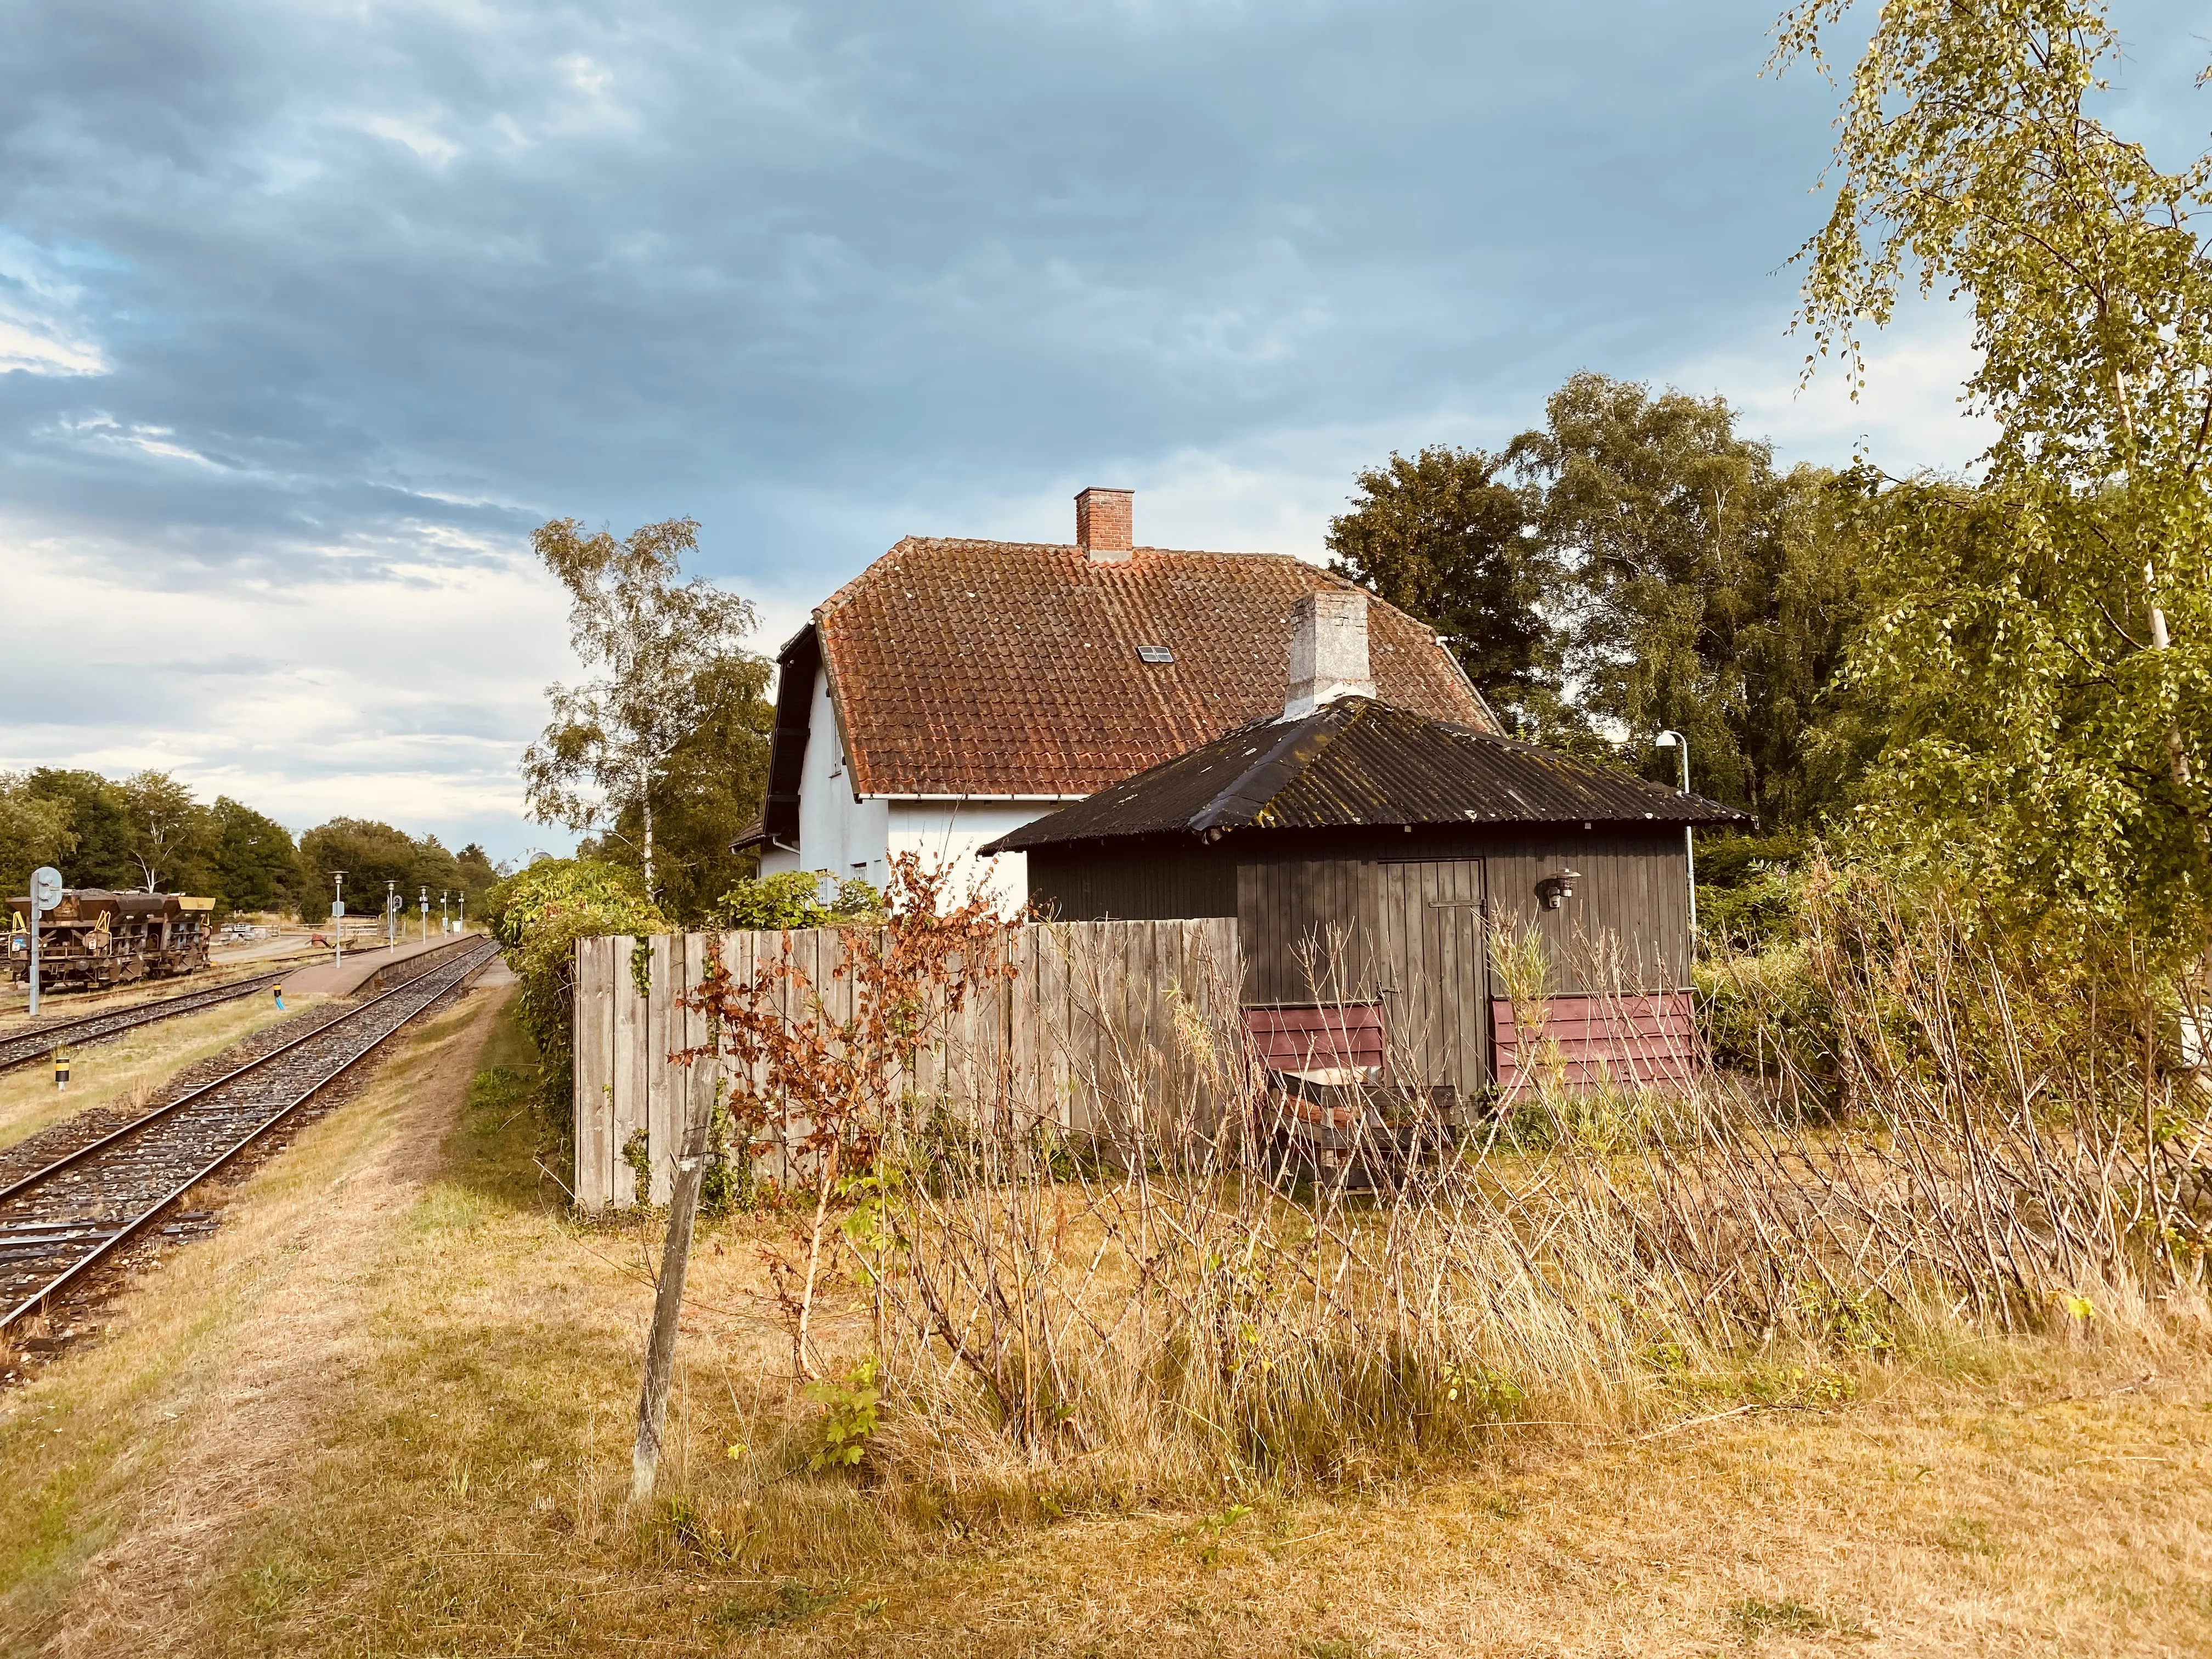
x,y
1638,1037
1313,1038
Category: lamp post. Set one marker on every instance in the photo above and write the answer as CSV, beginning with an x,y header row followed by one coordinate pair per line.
x,y
337,917
1677,741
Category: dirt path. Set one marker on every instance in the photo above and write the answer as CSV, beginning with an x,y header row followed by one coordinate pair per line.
x,y
250,1409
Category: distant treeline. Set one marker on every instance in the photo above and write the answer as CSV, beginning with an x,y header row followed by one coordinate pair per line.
x,y
148,832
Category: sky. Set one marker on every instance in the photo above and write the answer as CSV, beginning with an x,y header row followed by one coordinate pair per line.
x,y
310,312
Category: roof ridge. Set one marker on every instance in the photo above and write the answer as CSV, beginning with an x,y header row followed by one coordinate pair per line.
x,y
1282,759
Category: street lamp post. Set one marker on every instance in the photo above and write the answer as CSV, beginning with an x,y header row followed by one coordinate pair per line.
x,y
1675,740
337,917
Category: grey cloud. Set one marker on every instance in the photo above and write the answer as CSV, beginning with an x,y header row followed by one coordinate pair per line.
x,y
407,279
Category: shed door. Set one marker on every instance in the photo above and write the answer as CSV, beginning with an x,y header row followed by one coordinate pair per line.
x,y
1433,972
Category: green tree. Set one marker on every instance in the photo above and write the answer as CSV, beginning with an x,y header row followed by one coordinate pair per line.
x,y
1441,536
256,865
673,723
168,833
2045,638
35,829
101,854
539,914
371,854
478,874
1706,591
715,777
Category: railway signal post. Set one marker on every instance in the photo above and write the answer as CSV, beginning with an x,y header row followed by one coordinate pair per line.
x,y
46,893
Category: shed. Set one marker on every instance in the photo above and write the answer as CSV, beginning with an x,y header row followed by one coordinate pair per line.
x,y
1364,850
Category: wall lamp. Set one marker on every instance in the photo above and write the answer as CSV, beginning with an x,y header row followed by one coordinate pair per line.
x,y
1555,891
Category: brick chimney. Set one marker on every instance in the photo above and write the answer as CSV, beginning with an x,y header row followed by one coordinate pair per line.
x,y
1328,651
1104,525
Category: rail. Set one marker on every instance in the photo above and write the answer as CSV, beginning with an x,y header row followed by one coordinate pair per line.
x,y
59,1222
27,1048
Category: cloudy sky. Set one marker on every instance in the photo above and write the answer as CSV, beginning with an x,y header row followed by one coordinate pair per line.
x,y
308,312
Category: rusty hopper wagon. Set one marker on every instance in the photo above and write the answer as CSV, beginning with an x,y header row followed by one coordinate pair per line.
x,y
94,937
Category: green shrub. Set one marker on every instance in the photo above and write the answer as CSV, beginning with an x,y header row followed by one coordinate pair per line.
x,y
1770,1012
793,899
539,914
1751,889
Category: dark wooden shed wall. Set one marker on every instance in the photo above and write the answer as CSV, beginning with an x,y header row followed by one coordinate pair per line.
x,y
1160,881
1631,899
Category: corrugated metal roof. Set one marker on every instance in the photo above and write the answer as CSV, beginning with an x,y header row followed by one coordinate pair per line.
x,y
1359,763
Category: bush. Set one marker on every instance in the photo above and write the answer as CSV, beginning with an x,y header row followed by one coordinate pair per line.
x,y
1751,889
770,903
1771,1014
539,914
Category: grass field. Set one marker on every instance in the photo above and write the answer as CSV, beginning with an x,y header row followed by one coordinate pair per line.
x,y
387,1410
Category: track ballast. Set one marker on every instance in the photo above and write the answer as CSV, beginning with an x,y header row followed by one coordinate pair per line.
x,y
57,1223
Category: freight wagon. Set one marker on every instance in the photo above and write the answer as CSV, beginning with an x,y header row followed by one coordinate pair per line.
x,y
94,937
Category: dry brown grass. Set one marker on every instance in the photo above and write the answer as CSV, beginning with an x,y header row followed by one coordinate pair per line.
x,y
443,1469
130,1067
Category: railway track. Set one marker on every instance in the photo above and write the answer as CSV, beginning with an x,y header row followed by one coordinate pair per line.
x,y
59,1223
27,1048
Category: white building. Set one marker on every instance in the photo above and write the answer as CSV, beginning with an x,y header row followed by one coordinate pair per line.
x,y
956,690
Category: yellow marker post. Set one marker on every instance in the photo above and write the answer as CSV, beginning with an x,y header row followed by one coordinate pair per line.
x,y
61,1068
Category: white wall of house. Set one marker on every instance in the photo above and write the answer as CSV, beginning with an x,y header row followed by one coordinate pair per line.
x,y
947,833
848,837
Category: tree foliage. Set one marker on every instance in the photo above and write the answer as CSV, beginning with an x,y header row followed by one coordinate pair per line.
x,y
165,829
793,899
537,914
256,863
1635,565
2045,638
1710,592
35,829
674,722
123,834
99,854
1441,536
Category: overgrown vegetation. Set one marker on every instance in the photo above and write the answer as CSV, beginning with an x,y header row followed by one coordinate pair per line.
x,y
794,899
539,914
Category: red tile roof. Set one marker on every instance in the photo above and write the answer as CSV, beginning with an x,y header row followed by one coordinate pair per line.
x,y
1004,668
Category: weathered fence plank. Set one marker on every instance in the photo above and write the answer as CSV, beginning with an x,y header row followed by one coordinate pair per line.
x,y
1084,1029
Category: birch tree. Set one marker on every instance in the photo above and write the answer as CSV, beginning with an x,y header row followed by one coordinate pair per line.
x,y
665,651
2047,641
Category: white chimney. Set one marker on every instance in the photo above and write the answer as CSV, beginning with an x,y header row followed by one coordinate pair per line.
x,y
1328,651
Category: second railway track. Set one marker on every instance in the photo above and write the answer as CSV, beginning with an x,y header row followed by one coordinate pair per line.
x,y
60,1222
25,1047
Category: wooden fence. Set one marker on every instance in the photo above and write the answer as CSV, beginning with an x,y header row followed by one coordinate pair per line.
x,y
1096,1016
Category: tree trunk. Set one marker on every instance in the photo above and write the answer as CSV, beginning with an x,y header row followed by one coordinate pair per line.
x,y
667,1306
2176,755
645,804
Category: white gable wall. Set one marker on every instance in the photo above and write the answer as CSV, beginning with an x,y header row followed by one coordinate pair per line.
x,y
847,837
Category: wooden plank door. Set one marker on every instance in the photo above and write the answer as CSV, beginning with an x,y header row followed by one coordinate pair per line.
x,y
1433,972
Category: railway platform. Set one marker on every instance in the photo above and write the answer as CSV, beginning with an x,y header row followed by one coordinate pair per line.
x,y
326,978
